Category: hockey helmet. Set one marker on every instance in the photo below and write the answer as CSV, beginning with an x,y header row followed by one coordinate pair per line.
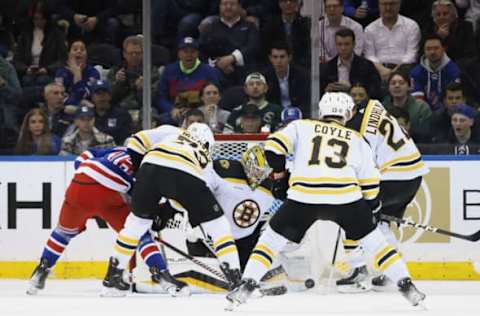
x,y
202,133
255,165
336,104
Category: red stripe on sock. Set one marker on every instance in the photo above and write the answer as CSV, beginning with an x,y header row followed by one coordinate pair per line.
x,y
148,250
55,246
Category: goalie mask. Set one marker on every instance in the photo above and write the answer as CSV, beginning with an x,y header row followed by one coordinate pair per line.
x,y
255,165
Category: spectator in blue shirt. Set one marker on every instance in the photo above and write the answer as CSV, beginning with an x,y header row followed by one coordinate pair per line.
x,y
76,75
184,78
434,72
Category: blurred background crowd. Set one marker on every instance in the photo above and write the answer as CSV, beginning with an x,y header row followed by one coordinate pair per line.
x,y
71,71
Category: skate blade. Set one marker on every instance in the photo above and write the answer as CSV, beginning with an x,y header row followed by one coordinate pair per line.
x,y
112,292
358,287
32,290
183,292
231,306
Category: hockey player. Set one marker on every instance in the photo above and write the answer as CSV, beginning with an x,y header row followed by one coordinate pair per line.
x,y
401,170
333,177
173,169
98,188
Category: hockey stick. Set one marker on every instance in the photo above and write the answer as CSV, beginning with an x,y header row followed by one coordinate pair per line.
x,y
191,258
472,237
334,258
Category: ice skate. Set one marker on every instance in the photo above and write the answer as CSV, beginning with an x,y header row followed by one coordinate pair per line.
x,y
381,284
410,292
114,284
173,286
356,282
241,293
39,276
234,276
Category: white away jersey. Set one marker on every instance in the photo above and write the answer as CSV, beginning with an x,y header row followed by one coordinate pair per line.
x,y
181,153
144,141
243,207
331,164
395,153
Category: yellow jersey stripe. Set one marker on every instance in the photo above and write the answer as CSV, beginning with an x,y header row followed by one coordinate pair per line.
x,y
369,194
366,116
368,181
145,140
136,146
272,146
333,191
176,159
282,138
407,158
177,151
236,181
324,179
416,166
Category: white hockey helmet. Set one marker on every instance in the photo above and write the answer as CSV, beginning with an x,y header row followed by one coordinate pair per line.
x,y
203,134
336,104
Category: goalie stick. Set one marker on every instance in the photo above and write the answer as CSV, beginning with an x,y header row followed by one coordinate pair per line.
x,y
191,258
408,222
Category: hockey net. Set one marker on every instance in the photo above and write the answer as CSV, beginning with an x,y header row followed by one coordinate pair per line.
x,y
309,260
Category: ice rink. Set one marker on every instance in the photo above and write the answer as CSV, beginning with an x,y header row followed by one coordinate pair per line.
x,y
81,298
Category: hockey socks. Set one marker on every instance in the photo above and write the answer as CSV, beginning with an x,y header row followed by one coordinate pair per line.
x,y
354,254
265,251
150,253
56,244
223,242
128,239
386,257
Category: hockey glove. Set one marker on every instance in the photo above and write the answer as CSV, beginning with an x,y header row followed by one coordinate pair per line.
x,y
280,187
165,213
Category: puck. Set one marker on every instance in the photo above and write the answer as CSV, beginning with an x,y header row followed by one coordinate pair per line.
x,y
309,283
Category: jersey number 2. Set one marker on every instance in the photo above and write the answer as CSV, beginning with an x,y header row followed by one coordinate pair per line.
x,y
333,162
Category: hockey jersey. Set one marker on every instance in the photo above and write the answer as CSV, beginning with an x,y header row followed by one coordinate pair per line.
x,y
143,141
396,155
111,168
332,164
179,152
244,208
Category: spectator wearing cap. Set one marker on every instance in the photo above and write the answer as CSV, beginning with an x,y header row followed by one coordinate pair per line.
x,y
77,74
110,119
250,119
184,78
289,27
215,116
462,121
84,135
256,89
287,83
290,114
454,95
127,79
231,43
348,68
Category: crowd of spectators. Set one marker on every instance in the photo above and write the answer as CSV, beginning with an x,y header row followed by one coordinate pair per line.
x,y
71,71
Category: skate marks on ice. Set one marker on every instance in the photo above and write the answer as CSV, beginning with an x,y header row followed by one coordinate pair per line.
x,y
81,298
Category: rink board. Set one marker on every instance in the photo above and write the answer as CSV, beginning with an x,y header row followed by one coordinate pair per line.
x,y
32,189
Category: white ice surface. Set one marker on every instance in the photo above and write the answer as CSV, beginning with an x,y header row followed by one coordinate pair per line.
x,y
80,298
